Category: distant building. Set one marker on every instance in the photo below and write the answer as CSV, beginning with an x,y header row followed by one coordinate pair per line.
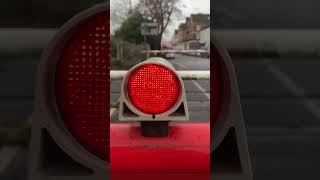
x,y
204,37
187,35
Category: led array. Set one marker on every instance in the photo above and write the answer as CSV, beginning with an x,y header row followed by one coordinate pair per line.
x,y
83,87
153,89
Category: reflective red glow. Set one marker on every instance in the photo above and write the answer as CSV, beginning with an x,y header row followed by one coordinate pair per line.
x,y
82,85
215,59
184,154
153,89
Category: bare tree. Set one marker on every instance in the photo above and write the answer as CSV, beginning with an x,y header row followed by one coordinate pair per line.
x,y
118,12
160,12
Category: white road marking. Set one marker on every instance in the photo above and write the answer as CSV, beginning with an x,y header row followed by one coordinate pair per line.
x,y
293,88
198,103
201,89
180,65
195,82
6,156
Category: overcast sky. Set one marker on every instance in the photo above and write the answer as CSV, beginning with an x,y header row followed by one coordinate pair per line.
x,y
191,7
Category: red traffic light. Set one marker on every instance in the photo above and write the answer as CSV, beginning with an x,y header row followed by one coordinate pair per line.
x,y
153,91
153,88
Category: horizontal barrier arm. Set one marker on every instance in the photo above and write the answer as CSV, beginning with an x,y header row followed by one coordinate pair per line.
x,y
176,51
185,75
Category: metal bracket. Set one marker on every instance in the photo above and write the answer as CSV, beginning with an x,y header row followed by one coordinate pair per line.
x,y
155,129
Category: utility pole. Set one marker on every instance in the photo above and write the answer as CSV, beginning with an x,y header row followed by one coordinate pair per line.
x,y
146,47
130,11
130,5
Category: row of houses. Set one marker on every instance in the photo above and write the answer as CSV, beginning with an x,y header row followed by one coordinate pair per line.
x,y
194,33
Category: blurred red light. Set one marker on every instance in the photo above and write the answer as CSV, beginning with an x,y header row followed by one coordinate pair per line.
x,y
82,85
153,88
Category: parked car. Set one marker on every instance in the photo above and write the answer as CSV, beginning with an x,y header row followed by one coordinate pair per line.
x,y
169,55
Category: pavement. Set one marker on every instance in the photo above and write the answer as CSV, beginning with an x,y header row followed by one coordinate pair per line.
x,y
280,98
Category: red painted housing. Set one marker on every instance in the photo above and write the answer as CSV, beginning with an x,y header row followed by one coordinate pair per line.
x,y
185,153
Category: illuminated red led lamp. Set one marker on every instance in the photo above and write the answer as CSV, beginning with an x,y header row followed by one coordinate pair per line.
x,y
153,88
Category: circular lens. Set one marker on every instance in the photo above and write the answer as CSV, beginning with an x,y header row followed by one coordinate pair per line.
x,y
82,87
153,88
